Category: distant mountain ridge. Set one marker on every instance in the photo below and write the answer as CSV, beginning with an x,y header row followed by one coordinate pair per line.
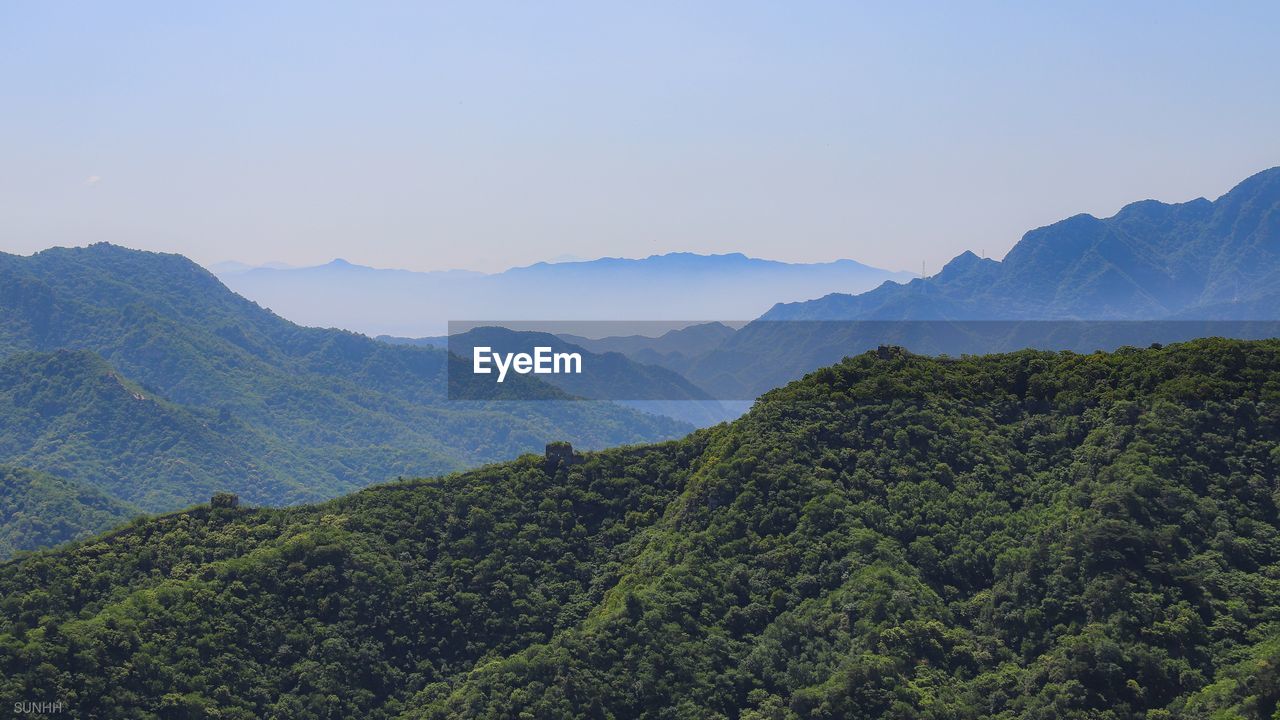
x,y
1196,260
1154,272
674,286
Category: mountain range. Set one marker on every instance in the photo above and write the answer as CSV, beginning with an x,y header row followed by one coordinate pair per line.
x,y
70,414
675,286
1030,535
1202,259
1153,273
141,376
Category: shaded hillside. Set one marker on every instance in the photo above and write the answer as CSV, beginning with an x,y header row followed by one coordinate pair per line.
x,y
1200,259
38,510
766,354
674,349
372,411
1025,535
70,414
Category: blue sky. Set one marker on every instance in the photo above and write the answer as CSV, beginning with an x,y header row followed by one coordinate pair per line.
x,y
484,135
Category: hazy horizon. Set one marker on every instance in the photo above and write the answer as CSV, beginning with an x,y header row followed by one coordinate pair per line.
x,y
486,136
233,265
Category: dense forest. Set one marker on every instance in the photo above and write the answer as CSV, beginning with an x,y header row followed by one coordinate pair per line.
x,y
38,510
70,414
1028,535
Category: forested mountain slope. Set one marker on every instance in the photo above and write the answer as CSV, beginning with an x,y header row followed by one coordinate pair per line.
x,y
71,414
38,510
339,410
1037,535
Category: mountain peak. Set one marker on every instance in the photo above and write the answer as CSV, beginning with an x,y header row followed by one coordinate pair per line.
x,y
965,264
968,258
1265,184
1150,260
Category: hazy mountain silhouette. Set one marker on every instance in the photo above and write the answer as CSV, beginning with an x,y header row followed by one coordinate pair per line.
x,y
1199,268
1151,260
676,286
1216,263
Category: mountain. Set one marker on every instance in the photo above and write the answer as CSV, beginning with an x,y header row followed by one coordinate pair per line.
x,y
1032,534
675,286
767,353
231,266
313,412
1195,260
71,414
1153,273
436,341
38,510
673,349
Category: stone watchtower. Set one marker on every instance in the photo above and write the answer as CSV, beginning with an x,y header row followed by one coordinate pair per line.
x,y
560,453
